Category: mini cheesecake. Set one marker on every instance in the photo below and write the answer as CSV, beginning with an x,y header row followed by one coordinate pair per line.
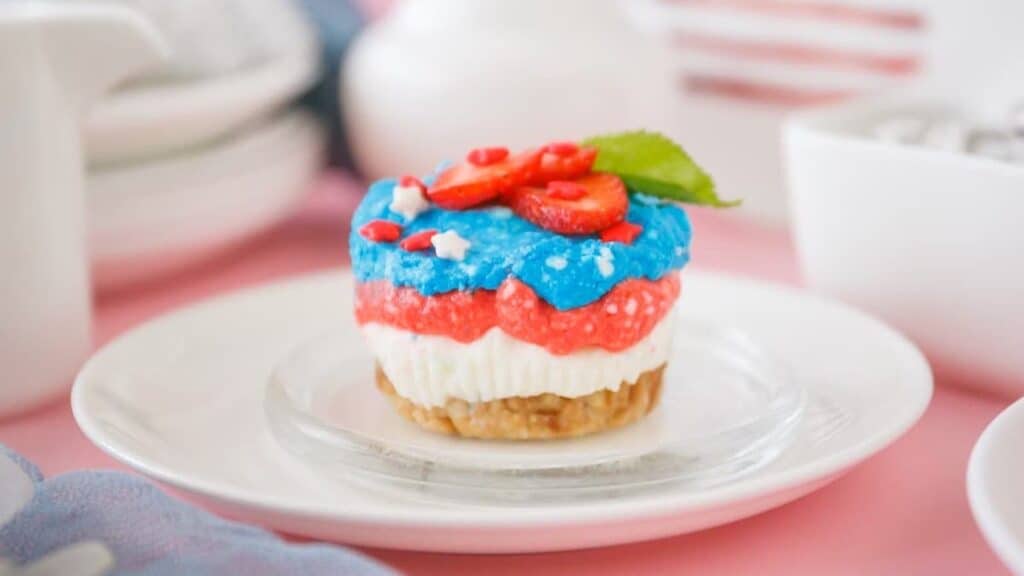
x,y
518,296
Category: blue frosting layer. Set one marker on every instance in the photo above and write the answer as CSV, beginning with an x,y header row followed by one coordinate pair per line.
x,y
567,272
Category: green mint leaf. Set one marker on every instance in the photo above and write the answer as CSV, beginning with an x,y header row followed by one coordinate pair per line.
x,y
653,164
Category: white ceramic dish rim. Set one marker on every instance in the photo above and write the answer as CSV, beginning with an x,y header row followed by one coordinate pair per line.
x,y
130,102
248,92
660,505
1007,546
832,123
157,217
280,140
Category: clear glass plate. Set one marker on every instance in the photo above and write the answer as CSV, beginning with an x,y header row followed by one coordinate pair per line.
x,y
727,408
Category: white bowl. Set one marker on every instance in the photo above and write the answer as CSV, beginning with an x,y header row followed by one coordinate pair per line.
x,y
929,240
153,218
995,486
158,120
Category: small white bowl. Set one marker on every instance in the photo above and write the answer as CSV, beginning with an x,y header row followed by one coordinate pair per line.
x,y
929,240
995,486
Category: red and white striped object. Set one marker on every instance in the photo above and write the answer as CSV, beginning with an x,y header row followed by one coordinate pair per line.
x,y
741,65
788,53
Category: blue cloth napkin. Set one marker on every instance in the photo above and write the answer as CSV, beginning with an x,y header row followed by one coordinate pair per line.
x,y
146,532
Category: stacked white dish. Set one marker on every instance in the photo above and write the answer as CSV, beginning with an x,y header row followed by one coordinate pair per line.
x,y
204,153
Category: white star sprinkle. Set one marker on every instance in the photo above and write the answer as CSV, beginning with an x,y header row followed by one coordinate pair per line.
x,y
450,246
408,201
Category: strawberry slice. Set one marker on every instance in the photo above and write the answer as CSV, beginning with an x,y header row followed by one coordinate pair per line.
x,y
603,204
564,161
562,148
466,185
564,190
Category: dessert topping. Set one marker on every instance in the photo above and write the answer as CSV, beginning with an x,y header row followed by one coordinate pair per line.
x,y
604,203
486,156
653,164
410,181
466,185
418,241
566,190
623,232
564,161
563,148
449,245
408,198
381,231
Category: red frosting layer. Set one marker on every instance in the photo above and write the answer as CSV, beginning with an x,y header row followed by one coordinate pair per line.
x,y
620,319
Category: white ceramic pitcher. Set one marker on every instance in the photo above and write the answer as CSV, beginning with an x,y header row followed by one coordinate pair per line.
x,y
55,60
436,78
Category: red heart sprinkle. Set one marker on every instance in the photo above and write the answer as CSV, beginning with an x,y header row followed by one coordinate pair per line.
x,y
381,231
565,190
624,232
487,156
562,148
408,181
418,241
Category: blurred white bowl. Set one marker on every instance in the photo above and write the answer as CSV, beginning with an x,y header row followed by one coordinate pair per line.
x,y
929,240
156,120
995,486
154,218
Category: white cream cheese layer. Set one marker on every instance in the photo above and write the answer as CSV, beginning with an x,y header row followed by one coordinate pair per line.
x,y
428,370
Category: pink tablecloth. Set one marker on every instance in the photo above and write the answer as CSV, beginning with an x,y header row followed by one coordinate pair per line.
x,y
903,512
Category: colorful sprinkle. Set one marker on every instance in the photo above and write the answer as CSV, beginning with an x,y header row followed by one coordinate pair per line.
x,y
623,232
408,181
408,198
418,241
450,246
381,231
487,156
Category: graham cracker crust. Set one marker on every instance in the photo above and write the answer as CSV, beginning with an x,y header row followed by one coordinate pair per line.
x,y
542,417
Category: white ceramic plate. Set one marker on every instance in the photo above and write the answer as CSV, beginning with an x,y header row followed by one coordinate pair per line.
x,y
995,485
726,409
182,399
153,218
155,120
